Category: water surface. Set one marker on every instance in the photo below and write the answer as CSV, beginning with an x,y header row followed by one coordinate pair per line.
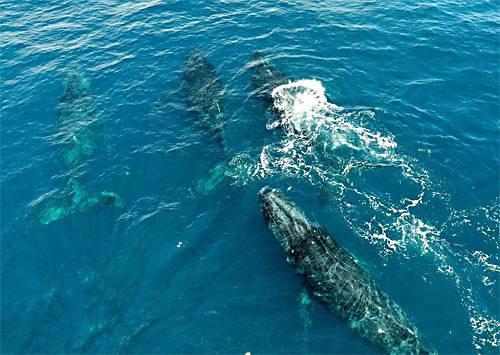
x,y
172,271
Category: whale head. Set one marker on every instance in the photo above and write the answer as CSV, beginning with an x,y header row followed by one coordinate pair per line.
x,y
265,77
76,86
287,222
195,65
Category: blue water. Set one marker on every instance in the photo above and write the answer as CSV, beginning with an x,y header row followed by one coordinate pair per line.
x,y
172,271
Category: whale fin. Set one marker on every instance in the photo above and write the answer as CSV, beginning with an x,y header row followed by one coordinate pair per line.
x,y
211,179
75,199
305,313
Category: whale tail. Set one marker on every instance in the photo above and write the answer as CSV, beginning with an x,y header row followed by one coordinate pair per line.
x,y
75,199
212,179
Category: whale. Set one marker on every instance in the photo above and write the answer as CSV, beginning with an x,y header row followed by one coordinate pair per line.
x,y
76,118
265,77
205,93
315,127
334,278
205,96
74,199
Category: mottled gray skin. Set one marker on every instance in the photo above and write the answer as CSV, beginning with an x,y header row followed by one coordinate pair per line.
x,y
205,93
336,280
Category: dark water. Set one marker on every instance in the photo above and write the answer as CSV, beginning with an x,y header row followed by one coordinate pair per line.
x,y
173,271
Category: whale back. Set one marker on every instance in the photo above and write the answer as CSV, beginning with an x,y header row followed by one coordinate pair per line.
x,y
265,77
345,288
205,93
336,280
77,120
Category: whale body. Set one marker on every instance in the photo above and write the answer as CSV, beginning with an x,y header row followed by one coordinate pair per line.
x,y
205,93
76,116
265,77
336,280
77,121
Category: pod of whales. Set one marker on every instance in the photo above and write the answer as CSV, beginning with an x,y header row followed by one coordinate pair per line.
x,y
336,280
76,119
332,275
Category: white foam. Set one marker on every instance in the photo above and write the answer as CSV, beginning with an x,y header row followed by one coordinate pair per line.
x,y
306,113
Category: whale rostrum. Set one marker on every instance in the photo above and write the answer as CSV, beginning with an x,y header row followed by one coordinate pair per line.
x,y
336,280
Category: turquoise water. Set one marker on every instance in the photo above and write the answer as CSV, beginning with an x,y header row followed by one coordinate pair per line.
x,y
405,176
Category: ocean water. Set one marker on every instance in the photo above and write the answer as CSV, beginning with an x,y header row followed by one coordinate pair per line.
x,y
404,172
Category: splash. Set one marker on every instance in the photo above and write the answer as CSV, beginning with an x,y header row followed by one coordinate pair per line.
x,y
305,112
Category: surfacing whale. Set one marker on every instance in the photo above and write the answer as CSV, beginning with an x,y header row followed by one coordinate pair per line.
x,y
205,94
265,77
336,280
76,118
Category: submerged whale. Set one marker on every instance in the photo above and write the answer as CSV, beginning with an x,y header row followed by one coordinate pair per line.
x,y
336,280
76,118
205,94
